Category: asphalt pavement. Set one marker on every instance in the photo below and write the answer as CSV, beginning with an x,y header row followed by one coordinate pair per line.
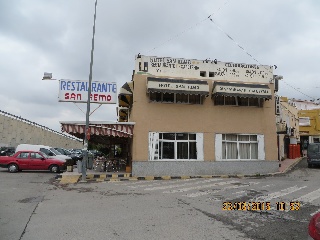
x,y
33,206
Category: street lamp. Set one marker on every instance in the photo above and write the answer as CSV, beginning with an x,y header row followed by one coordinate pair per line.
x,y
48,76
86,135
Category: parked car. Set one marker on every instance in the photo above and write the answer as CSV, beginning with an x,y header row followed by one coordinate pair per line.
x,y
80,151
96,153
31,160
77,151
49,151
314,227
75,156
7,151
313,154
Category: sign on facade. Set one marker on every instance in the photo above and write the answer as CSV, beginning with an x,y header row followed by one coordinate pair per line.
x,y
77,91
178,86
242,90
211,69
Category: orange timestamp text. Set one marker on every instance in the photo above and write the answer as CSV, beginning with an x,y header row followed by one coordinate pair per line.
x,y
260,206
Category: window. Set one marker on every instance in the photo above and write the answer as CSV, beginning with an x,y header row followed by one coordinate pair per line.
x,y
145,66
175,98
304,121
182,98
167,97
238,101
36,155
46,151
203,73
175,146
277,105
239,147
23,155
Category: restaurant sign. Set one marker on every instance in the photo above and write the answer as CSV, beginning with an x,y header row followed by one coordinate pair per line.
x,y
77,91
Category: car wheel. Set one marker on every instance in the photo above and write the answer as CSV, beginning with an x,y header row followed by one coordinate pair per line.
x,y
54,169
309,165
12,168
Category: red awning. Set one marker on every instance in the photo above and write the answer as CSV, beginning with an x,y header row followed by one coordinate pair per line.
x,y
99,128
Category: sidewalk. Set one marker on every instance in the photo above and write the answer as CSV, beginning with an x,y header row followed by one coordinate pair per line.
x,y
91,175
287,164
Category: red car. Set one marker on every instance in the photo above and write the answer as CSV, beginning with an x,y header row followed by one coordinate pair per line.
x,y
314,227
31,160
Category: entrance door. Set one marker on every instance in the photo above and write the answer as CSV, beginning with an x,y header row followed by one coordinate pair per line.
x,y
286,146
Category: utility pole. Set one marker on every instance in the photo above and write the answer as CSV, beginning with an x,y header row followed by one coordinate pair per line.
x,y
87,133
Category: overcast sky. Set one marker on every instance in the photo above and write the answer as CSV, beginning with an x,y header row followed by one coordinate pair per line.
x,y
38,36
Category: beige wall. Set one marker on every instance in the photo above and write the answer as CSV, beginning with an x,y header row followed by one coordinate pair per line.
x,y
14,132
206,118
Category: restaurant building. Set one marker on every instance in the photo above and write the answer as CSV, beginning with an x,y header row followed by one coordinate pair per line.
x,y
200,117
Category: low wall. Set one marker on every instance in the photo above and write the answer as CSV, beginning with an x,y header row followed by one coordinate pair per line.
x,y
195,168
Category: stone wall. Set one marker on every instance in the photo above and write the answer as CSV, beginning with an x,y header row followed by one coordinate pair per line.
x,y
15,131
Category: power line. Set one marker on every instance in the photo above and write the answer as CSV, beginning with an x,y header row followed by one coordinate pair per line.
x,y
186,30
242,48
298,90
229,36
250,55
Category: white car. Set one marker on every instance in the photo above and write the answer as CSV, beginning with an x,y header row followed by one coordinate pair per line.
x,y
51,152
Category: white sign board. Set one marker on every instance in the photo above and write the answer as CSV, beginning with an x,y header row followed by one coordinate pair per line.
x,y
178,86
242,90
77,91
206,69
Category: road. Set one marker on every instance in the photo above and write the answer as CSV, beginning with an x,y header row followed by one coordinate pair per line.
x,y
34,207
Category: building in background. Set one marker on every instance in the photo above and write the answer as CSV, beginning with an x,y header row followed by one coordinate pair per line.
x,y
200,117
304,104
309,122
297,124
287,126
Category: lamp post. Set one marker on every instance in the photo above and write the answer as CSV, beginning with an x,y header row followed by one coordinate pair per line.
x,y
87,134
48,76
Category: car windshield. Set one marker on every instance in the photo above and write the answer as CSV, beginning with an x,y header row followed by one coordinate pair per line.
x,y
55,151
45,155
313,148
60,150
77,150
67,152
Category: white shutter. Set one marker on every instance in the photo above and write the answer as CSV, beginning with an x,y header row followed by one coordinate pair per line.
x,y
261,151
153,146
218,147
199,139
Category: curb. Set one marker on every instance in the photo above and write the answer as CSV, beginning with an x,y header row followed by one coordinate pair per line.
x,y
292,165
69,179
72,179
